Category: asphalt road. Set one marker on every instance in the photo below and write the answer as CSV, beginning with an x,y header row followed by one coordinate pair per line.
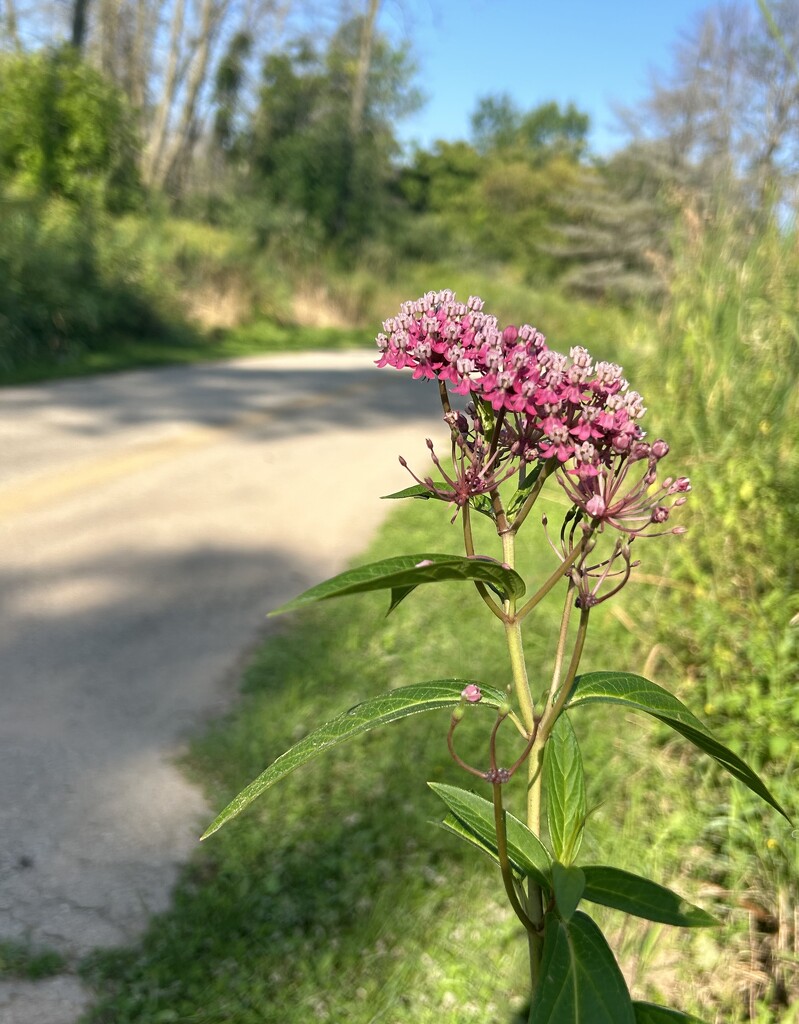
x,y
148,522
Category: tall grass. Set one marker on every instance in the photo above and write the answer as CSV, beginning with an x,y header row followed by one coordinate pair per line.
x,y
725,363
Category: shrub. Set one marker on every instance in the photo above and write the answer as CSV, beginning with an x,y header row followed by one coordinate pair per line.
x,y
65,131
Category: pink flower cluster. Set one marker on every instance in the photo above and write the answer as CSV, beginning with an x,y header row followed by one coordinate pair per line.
x,y
566,406
544,407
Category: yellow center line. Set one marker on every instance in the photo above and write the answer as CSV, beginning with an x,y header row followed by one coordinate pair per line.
x,y
65,483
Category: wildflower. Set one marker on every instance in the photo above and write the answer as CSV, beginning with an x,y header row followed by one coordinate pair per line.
x,y
529,403
619,493
472,693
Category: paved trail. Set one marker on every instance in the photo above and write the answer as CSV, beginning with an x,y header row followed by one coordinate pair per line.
x,y
148,521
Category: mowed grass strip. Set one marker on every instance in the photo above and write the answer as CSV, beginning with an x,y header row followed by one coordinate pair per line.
x,y
186,346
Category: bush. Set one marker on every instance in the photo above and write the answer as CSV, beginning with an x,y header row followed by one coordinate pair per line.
x,y
65,131
58,290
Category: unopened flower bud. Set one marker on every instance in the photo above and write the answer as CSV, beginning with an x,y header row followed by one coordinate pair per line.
x,y
472,693
504,708
596,507
458,713
660,449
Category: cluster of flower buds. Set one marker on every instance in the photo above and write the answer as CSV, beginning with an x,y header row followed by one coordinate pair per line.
x,y
531,404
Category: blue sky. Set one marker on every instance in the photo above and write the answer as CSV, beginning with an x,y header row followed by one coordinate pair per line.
x,y
593,52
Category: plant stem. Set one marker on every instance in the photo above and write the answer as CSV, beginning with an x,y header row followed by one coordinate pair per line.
x,y
552,580
504,862
468,543
535,490
521,685
556,700
534,911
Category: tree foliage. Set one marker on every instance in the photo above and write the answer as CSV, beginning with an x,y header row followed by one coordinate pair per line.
x,y
537,135
65,130
303,148
729,106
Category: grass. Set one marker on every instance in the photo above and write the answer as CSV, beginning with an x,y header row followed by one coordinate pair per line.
x,y
257,338
19,960
334,898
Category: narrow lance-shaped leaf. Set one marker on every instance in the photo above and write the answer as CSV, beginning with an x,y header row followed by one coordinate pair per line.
x,y
388,707
404,572
580,981
648,1013
523,490
565,790
640,694
622,890
568,886
414,491
480,503
525,850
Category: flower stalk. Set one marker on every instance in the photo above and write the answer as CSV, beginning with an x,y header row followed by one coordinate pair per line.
x,y
531,410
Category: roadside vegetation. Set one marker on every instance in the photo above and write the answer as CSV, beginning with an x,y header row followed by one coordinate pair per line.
x,y
293,220
711,610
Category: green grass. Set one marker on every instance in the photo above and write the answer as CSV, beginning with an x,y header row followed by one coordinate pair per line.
x,y
334,897
258,338
19,960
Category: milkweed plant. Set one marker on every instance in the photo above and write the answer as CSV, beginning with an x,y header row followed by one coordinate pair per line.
x,y
521,417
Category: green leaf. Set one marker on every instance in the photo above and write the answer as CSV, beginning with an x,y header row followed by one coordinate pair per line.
x,y
520,495
482,503
568,884
415,491
409,571
648,1013
640,694
388,707
565,790
580,981
398,594
525,850
621,890
456,827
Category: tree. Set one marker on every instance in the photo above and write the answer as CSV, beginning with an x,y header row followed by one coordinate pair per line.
x,y
615,236
65,130
304,144
543,132
729,107
495,122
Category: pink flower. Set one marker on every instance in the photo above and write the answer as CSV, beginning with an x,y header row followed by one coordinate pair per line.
x,y
528,404
472,693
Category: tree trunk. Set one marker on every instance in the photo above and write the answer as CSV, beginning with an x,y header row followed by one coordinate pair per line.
x,y
152,157
362,71
178,152
11,24
79,24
